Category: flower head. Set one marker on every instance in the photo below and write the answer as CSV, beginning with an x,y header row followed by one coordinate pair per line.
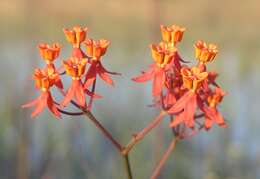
x,y
46,78
205,53
161,55
216,97
96,48
49,52
193,78
76,35
75,67
172,34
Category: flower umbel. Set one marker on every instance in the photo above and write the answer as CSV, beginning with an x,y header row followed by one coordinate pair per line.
x,y
184,91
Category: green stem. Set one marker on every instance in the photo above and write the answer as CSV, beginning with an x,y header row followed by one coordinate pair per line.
x,y
128,167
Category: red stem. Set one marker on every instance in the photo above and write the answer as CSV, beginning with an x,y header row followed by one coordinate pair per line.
x,y
166,155
97,124
139,136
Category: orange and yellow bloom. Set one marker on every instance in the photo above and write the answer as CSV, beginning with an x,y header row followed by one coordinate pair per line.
x,y
75,68
44,80
76,35
193,78
49,52
96,48
172,34
205,53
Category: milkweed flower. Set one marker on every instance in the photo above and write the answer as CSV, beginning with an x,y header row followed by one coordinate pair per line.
x,y
76,36
49,52
172,34
212,115
95,50
185,107
157,71
186,93
75,68
44,80
205,53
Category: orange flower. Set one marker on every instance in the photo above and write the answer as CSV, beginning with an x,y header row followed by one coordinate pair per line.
x,y
161,56
49,52
96,48
44,79
193,78
212,115
172,34
216,97
75,67
76,35
205,53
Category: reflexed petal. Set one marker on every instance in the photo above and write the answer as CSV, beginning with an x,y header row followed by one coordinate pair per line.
x,y
32,103
158,82
104,76
177,120
69,95
181,103
91,75
40,105
52,106
190,110
208,123
144,77
79,94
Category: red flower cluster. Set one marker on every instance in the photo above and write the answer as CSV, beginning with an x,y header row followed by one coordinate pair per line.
x,y
188,94
81,66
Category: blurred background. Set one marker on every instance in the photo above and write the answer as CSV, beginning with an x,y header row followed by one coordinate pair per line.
x,y
46,148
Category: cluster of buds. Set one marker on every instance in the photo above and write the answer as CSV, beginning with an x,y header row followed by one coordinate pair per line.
x,y
189,95
82,66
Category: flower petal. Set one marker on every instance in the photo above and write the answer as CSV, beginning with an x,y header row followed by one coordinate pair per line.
x,y
79,94
104,76
90,76
177,120
190,110
180,104
145,76
40,105
52,107
69,95
158,82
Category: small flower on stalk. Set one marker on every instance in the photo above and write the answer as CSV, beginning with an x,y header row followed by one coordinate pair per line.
x,y
44,80
157,71
75,68
173,34
49,52
95,50
185,107
76,36
212,115
205,53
